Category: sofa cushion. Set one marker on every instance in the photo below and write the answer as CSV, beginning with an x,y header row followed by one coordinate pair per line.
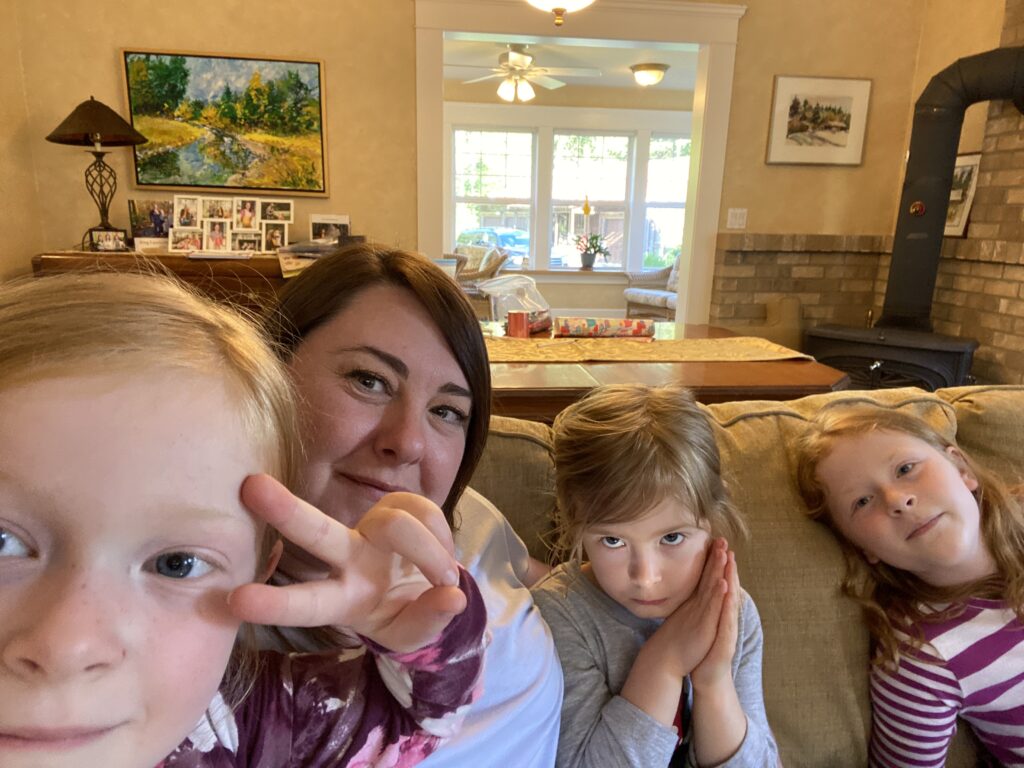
x,y
654,298
816,653
517,474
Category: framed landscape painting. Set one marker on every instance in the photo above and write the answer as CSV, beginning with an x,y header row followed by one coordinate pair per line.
x,y
227,122
818,120
961,194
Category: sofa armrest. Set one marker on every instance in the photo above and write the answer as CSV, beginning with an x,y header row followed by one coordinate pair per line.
x,y
658,277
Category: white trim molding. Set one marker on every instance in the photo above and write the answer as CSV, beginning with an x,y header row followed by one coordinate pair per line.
x,y
713,27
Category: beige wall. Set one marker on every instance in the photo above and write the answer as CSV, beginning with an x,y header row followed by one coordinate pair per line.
x,y
880,40
17,181
73,52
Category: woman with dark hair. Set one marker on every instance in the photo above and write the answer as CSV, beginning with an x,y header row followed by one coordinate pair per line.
x,y
388,359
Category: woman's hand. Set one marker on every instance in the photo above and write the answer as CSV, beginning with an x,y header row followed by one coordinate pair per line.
x,y
393,578
716,667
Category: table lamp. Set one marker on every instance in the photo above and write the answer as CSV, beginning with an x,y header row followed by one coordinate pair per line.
x,y
93,123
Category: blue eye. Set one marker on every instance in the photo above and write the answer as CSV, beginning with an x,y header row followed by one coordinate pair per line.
x,y
612,542
673,539
181,565
13,546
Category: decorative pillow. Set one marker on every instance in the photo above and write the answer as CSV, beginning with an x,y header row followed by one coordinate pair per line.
x,y
673,277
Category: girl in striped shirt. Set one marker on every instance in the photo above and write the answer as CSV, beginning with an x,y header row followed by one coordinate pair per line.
x,y
934,548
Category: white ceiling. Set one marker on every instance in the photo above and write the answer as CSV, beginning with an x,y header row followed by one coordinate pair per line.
x,y
613,58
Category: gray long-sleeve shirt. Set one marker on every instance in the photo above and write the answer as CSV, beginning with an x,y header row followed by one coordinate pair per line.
x,y
597,641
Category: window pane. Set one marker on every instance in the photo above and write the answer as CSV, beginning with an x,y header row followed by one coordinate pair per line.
x,y
493,164
491,224
663,236
590,166
569,222
667,170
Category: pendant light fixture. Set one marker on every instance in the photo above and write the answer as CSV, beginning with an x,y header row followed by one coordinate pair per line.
x,y
514,88
560,7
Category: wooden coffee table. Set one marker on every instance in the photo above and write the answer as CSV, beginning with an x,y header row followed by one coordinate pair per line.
x,y
538,391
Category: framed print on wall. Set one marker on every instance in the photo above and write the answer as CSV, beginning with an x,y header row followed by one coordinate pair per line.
x,y
227,122
818,120
961,195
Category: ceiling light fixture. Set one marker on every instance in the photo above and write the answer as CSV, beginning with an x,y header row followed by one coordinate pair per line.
x,y
507,89
514,88
560,7
648,74
524,91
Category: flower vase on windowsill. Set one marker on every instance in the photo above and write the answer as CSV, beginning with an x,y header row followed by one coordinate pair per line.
x,y
590,246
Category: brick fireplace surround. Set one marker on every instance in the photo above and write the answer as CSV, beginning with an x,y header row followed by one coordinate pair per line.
x,y
979,291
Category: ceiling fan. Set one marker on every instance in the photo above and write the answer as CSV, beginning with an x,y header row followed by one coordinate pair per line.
x,y
516,64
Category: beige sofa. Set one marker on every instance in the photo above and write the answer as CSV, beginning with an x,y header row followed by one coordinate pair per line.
x,y
816,648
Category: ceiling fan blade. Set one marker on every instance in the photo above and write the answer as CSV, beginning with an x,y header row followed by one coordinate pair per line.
x,y
485,77
571,71
544,81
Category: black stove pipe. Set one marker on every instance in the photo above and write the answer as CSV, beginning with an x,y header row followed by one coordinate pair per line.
x,y
935,135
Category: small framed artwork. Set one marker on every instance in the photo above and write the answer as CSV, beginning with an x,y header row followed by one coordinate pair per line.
x,y
327,226
246,241
216,236
108,239
150,217
961,195
275,235
818,120
277,210
246,216
186,211
184,239
217,208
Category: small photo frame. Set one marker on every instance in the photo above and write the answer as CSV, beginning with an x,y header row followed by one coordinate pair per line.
x,y
247,241
961,194
186,211
818,120
216,235
217,208
277,210
246,214
108,239
185,239
275,235
328,226
150,217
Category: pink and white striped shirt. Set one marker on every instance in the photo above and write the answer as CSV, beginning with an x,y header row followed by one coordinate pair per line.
x,y
972,666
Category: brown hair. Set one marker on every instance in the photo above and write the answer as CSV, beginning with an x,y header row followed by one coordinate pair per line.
x,y
324,289
623,449
893,599
128,322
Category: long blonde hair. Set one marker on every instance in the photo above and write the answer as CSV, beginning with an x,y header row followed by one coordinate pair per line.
x,y
893,599
623,449
103,322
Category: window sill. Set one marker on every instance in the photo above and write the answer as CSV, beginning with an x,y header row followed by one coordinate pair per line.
x,y
596,276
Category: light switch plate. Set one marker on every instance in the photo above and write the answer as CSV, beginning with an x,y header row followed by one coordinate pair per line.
x,y
736,219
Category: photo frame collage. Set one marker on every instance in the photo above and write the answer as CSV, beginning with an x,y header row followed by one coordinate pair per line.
x,y
226,224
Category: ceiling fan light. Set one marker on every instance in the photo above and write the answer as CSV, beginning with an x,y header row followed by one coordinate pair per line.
x,y
648,74
507,89
524,91
560,7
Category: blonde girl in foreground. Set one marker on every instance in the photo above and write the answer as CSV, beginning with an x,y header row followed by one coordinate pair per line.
x,y
934,549
140,431
660,648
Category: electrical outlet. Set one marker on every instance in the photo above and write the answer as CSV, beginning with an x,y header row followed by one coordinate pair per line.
x,y
737,218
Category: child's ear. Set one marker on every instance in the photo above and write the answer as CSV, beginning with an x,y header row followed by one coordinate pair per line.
x,y
958,460
272,560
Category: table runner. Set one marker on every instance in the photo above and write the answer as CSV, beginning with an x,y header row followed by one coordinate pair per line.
x,y
579,350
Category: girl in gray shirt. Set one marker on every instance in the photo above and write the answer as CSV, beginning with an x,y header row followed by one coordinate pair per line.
x,y
660,648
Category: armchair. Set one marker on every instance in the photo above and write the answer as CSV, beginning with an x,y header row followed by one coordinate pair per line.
x,y
652,294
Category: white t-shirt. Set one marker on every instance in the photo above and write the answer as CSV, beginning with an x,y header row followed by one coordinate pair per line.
x,y
514,724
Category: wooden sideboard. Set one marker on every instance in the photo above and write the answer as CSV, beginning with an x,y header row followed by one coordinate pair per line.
x,y
250,283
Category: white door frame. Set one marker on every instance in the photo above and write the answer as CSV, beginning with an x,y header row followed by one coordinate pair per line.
x,y
712,26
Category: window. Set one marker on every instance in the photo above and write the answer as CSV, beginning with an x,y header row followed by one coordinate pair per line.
x,y
668,162
523,178
493,189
